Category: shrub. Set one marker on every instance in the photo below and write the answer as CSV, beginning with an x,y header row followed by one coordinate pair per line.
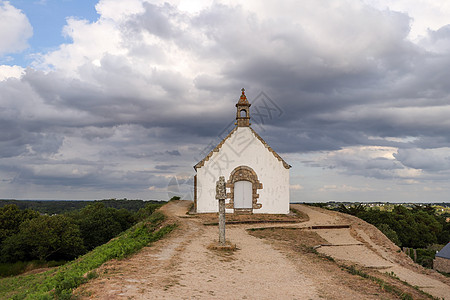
x,y
147,211
389,233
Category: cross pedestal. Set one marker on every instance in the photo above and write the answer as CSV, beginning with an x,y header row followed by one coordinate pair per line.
x,y
222,222
221,195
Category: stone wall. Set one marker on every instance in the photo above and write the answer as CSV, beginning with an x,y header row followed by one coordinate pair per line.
x,y
441,264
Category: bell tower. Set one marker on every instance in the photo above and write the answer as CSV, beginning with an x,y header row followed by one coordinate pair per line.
x,y
243,111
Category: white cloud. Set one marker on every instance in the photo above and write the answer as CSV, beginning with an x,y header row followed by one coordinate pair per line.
x,y
118,9
366,152
369,161
296,187
15,29
90,43
10,72
344,188
426,14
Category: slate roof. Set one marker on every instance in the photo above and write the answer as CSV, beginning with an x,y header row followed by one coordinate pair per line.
x,y
445,252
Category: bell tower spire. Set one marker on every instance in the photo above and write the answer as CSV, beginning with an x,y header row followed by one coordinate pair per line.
x,y
243,111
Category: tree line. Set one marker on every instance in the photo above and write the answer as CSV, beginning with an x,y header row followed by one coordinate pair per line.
x,y
51,207
27,235
416,227
419,227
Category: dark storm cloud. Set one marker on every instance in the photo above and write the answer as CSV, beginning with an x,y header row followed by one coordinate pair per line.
x,y
82,104
13,141
173,152
354,80
427,160
317,95
16,141
157,20
380,168
165,167
104,178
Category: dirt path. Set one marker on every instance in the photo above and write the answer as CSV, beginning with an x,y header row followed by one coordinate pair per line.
x,y
247,274
182,267
348,248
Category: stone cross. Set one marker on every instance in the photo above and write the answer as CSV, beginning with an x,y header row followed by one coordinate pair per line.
x,y
221,195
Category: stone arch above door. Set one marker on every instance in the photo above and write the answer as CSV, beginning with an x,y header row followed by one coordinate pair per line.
x,y
247,174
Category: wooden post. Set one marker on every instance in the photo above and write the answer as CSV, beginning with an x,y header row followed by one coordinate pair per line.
x,y
221,195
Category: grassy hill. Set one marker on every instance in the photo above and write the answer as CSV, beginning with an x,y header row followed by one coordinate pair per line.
x,y
59,282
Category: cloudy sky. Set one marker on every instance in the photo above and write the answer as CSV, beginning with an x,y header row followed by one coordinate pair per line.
x,y
112,99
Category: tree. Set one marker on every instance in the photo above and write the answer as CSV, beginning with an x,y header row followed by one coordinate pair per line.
x,y
98,224
390,234
415,228
11,217
44,238
444,235
353,209
147,211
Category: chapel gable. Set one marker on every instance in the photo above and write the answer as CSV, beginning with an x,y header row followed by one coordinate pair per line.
x,y
257,178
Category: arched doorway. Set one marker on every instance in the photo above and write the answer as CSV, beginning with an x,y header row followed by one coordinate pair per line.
x,y
243,184
243,194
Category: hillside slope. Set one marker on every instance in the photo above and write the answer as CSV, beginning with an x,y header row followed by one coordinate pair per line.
x,y
363,244
307,260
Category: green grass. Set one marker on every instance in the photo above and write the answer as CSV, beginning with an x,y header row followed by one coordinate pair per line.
x,y
60,282
299,214
383,284
14,269
445,274
392,275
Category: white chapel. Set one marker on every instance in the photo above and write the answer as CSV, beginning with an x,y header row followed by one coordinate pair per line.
x,y
257,178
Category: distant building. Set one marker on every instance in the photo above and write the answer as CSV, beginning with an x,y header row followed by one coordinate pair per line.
x,y
257,177
442,261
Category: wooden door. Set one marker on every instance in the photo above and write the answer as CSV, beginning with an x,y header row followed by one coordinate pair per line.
x,y
243,194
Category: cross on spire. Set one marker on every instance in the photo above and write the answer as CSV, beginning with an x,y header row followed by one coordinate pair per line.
x,y
243,111
243,99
